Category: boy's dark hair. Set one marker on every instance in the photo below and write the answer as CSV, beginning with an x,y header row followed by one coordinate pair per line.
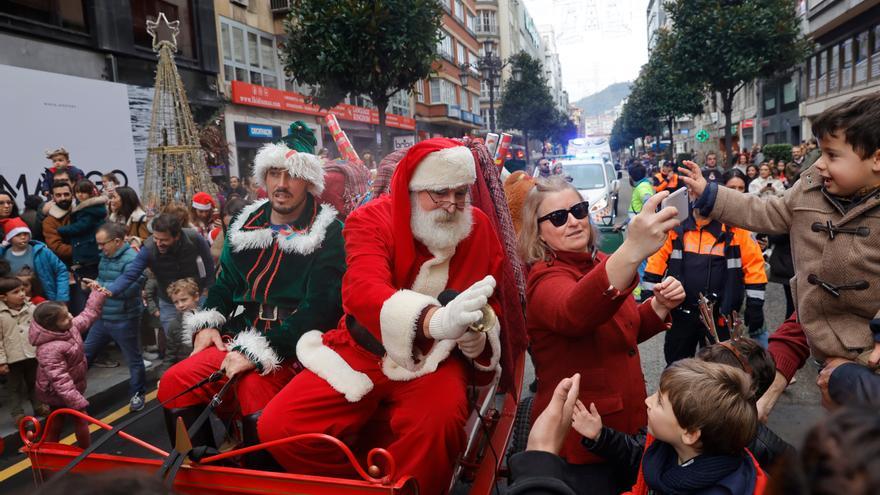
x,y
8,284
57,185
32,202
112,230
61,173
857,120
5,269
745,351
167,223
47,314
36,285
86,186
715,399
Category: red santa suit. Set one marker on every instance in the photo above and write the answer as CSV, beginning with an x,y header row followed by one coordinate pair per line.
x,y
416,385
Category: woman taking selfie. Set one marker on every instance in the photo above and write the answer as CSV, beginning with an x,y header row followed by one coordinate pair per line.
x,y
582,318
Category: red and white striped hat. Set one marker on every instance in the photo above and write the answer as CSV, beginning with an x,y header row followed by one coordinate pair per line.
x,y
15,226
203,201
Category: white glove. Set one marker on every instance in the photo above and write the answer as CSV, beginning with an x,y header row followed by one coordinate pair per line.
x,y
452,320
472,344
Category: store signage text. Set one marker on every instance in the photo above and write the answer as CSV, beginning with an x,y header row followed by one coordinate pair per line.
x,y
276,99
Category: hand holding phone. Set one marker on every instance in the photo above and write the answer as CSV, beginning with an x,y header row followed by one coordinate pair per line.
x,y
679,200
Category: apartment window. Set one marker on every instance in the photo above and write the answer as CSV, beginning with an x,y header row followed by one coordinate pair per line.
x,y
399,103
69,14
875,54
462,53
789,94
820,72
770,99
486,21
249,55
442,91
846,72
444,46
834,69
861,54
475,103
144,10
811,77
459,10
471,22
420,91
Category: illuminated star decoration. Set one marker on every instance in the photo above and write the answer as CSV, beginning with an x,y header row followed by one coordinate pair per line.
x,y
163,31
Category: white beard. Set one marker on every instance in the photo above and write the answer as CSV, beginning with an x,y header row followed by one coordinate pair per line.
x,y
439,229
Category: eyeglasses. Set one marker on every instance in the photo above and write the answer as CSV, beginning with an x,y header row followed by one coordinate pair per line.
x,y
559,217
461,198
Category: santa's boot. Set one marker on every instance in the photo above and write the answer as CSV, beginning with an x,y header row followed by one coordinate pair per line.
x,y
204,437
261,459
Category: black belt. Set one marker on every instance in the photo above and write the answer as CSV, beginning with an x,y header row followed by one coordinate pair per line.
x,y
363,337
269,312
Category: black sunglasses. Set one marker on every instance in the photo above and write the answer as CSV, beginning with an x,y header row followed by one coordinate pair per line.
x,y
559,217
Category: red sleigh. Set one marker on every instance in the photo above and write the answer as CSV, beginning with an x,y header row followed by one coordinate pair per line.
x,y
489,431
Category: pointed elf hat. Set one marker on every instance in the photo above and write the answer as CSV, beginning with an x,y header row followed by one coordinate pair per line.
x,y
295,153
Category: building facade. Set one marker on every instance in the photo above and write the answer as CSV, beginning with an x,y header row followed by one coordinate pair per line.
x,y
846,62
553,69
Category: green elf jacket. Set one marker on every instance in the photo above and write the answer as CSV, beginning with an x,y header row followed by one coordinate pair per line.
x,y
296,270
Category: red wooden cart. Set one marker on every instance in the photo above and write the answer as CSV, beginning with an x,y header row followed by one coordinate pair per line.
x,y
489,431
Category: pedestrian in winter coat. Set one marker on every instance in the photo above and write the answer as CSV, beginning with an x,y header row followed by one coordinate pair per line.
x,y
85,218
57,214
17,356
22,251
581,317
120,320
61,376
125,208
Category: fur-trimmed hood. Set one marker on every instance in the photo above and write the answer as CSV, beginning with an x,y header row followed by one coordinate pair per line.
x,y
93,201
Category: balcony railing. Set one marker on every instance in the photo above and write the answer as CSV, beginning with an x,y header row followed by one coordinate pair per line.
x,y
279,6
486,28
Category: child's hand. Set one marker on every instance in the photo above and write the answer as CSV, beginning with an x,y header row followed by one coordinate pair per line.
x,y
4,369
586,422
874,357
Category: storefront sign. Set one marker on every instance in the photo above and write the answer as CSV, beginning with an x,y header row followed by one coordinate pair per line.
x,y
260,131
453,111
276,99
467,116
747,124
403,142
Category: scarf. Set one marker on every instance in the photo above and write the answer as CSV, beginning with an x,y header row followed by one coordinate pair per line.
x,y
663,474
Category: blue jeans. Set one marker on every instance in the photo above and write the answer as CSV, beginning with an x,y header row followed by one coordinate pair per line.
x,y
126,334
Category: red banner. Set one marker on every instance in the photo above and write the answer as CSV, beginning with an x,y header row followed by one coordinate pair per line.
x,y
276,99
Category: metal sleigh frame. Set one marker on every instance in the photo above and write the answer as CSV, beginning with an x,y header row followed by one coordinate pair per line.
x,y
488,431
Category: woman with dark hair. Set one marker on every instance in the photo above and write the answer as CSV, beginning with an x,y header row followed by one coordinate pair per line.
x,y
751,174
581,316
8,209
735,179
126,208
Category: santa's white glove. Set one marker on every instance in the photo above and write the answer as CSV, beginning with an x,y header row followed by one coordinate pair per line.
x,y
472,344
452,321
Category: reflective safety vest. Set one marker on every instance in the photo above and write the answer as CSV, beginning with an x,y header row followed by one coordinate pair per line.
x,y
711,258
663,183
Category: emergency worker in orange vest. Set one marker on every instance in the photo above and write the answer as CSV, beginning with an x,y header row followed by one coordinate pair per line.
x,y
721,262
666,179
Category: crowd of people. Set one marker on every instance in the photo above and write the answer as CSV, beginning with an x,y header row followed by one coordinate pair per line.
x,y
335,295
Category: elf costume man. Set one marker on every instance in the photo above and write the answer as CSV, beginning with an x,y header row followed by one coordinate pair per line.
x,y
282,263
399,351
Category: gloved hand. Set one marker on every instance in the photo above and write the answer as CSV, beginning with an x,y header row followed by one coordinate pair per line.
x,y
472,344
754,317
452,321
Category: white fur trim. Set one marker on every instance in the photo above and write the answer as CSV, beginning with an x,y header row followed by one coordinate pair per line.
x,y
305,166
14,232
256,347
444,169
493,336
327,364
206,318
241,240
398,319
202,207
434,273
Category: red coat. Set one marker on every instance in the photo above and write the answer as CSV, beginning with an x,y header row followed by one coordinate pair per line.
x,y
576,326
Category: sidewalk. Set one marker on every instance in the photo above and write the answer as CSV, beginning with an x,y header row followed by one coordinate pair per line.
x,y
106,387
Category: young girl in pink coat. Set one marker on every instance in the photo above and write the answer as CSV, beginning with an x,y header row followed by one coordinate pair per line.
x,y
61,375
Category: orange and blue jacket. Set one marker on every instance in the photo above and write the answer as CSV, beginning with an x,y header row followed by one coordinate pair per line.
x,y
666,183
723,263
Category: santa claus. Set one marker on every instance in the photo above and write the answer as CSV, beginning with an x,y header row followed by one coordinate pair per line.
x,y
400,359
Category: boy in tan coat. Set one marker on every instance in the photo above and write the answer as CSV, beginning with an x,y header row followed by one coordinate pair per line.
x,y
833,219
18,361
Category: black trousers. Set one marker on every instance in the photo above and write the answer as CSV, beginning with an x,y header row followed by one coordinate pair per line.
x,y
687,334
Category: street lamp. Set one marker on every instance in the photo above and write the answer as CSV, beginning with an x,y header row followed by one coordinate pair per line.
x,y
489,67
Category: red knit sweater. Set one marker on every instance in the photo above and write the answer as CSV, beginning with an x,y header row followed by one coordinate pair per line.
x,y
789,347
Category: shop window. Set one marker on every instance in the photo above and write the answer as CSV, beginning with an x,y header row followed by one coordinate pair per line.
x,y
249,55
67,14
174,10
861,57
846,70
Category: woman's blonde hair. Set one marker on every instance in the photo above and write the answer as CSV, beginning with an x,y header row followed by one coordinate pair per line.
x,y
531,247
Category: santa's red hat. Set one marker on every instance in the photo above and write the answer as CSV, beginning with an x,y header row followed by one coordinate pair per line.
x,y
432,165
203,201
13,227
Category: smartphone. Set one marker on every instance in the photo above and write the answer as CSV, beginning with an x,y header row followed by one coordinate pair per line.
x,y
678,199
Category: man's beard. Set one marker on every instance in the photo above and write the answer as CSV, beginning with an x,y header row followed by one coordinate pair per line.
x,y
64,205
286,210
439,229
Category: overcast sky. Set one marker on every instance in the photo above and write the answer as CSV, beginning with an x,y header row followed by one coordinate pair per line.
x,y
600,42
